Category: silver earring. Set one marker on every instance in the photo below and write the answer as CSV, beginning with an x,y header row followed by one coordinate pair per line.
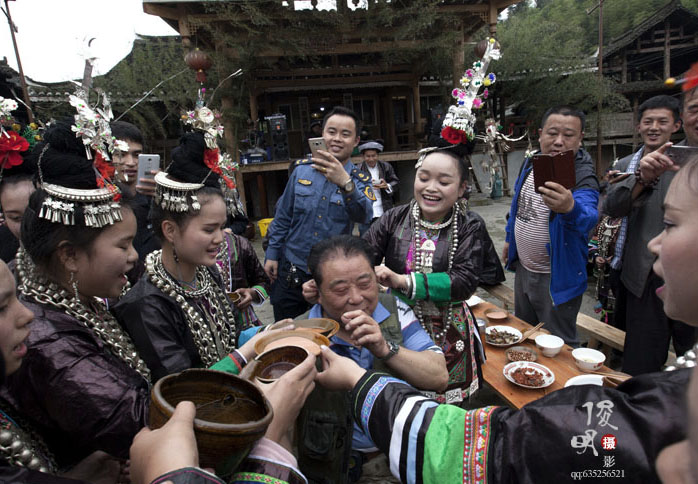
x,y
174,255
74,283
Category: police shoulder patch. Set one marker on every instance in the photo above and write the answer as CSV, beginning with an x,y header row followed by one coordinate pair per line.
x,y
305,182
363,176
369,193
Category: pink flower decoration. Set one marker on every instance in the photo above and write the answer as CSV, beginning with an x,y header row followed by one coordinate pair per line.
x,y
455,92
485,93
469,73
477,103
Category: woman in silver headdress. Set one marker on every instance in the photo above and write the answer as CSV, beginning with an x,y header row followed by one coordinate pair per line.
x,y
82,381
436,253
178,313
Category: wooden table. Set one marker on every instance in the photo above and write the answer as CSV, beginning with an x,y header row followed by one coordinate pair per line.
x,y
562,365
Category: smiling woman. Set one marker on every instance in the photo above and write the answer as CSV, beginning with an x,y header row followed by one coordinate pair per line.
x,y
436,253
77,353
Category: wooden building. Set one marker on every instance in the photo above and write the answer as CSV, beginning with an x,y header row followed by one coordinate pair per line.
x,y
392,98
663,45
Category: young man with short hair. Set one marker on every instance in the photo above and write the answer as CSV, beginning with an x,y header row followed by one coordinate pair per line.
x,y
638,199
126,164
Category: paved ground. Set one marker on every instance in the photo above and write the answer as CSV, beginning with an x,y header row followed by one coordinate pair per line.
x,y
494,213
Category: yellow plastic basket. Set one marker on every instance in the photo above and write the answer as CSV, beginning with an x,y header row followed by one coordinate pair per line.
x,y
264,225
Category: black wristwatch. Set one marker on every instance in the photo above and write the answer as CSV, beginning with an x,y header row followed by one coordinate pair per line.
x,y
393,348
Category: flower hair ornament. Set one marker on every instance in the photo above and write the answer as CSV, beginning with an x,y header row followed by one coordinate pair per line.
x,y
100,206
12,143
459,123
92,126
175,196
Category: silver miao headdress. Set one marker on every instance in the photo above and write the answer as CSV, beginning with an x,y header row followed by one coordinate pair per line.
x,y
100,206
176,196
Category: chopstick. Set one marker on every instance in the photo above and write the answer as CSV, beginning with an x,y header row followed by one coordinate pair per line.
x,y
531,331
621,376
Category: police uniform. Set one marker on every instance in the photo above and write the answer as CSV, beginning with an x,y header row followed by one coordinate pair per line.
x,y
311,209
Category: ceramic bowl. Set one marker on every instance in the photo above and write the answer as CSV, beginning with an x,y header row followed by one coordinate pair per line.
x,y
270,365
588,359
232,414
305,338
496,315
325,326
550,345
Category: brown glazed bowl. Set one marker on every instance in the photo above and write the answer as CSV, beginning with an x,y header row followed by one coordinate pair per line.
x,y
325,326
273,363
231,414
305,338
496,315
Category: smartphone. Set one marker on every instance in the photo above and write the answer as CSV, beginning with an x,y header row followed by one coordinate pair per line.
x,y
146,164
317,144
617,177
681,155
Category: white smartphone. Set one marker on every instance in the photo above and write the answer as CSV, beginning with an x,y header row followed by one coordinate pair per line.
x,y
146,164
317,144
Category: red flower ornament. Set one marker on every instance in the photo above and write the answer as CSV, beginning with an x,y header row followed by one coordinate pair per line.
x,y
11,145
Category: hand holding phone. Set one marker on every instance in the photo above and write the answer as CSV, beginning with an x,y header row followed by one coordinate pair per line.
x,y
317,144
680,155
146,165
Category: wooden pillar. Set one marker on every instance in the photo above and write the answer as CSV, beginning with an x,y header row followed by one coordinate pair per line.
x,y
390,122
417,107
254,107
459,56
231,143
494,13
410,117
624,71
262,190
667,50
636,121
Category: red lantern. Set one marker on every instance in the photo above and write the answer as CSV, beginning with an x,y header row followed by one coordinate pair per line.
x,y
199,61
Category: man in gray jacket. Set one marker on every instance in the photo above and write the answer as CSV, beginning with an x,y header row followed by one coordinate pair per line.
x,y
638,199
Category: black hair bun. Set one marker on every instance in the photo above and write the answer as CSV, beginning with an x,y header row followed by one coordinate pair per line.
x,y
188,161
65,160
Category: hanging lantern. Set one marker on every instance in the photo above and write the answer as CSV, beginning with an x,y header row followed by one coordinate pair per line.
x,y
481,47
199,61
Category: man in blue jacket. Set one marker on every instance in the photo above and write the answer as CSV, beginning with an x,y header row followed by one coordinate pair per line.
x,y
547,232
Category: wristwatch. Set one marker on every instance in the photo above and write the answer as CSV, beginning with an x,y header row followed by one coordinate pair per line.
x,y
348,187
393,348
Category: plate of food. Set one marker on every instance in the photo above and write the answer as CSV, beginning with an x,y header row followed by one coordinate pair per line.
x,y
528,374
502,335
521,353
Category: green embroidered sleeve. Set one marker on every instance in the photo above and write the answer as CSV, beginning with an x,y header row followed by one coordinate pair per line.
x,y
435,286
